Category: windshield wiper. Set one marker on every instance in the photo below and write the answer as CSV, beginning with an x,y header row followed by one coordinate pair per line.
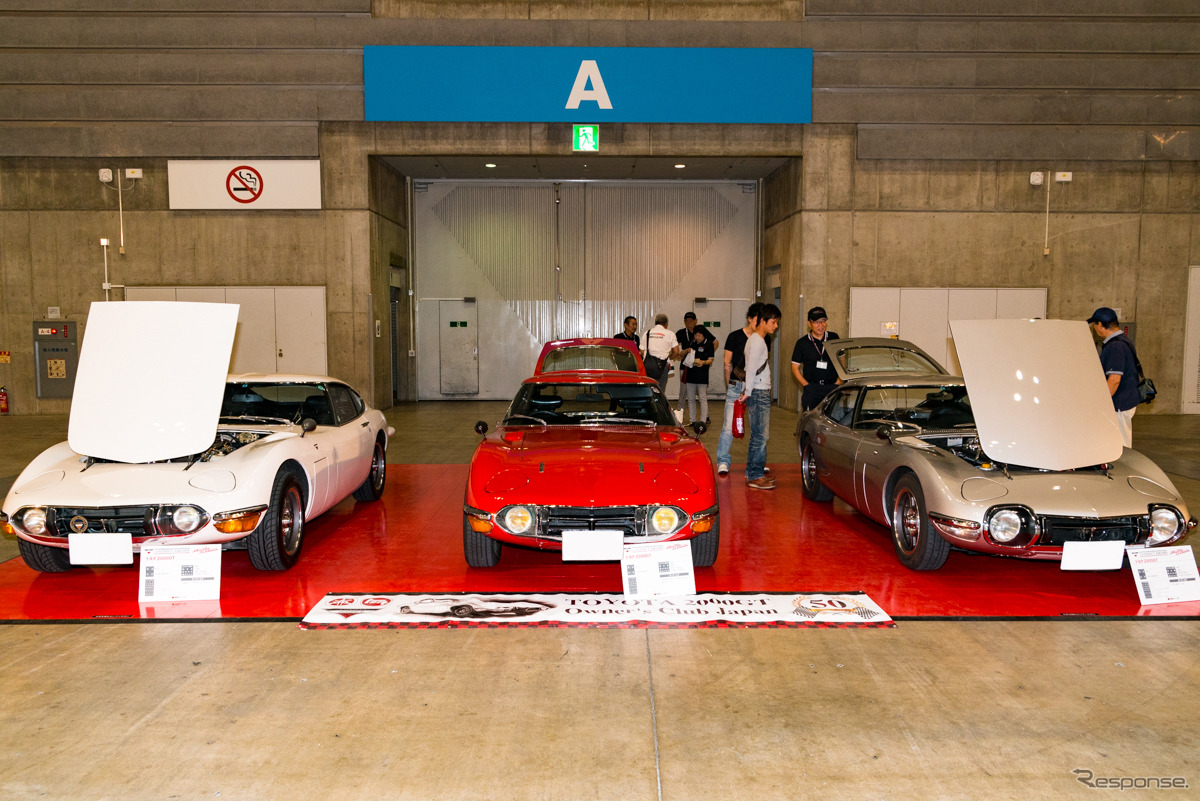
x,y
525,417
257,417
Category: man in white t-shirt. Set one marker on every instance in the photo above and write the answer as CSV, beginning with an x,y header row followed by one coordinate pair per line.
x,y
661,347
757,397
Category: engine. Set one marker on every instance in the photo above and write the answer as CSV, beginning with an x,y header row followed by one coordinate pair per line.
x,y
227,442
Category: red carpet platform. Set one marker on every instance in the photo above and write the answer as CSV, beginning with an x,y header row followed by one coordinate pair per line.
x,y
411,541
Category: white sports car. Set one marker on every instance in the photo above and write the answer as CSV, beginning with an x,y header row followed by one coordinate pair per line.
x,y
240,460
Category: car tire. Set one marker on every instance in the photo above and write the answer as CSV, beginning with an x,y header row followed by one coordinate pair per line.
x,y
276,543
918,546
479,549
706,545
372,487
814,490
45,558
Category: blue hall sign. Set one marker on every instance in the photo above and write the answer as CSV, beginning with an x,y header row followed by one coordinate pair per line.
x,y
588,84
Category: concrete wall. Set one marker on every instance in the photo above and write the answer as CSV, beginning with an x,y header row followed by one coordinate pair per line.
x,y
1121,234
928,117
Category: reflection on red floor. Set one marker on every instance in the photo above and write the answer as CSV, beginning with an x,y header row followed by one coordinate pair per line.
x,y
411,541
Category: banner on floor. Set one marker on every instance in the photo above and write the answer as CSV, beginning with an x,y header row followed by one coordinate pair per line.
x,y
534,610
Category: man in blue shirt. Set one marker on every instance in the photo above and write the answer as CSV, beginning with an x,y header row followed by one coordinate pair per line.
x,y
1119,361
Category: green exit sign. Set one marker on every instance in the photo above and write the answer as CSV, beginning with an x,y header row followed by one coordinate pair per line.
x,y
586,139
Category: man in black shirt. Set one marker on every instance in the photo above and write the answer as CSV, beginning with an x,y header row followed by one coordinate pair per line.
x,y
630,331
735,378
811,364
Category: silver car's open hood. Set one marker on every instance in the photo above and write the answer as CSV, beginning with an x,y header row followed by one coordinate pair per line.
x,y
1038,393
151,379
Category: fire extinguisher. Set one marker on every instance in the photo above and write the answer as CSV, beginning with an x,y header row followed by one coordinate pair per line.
x,y
3,400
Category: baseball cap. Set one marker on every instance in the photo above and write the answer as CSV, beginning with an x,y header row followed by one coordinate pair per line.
x,y
817,313
1103,315
690,316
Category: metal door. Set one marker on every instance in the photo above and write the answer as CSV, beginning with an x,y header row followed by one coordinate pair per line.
x,y
716,316
458,347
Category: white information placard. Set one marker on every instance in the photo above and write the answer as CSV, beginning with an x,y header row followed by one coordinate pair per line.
x,y
180,573
247,184
1165,575
658,569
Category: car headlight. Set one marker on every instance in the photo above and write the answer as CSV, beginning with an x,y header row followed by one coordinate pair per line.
x,y
1165,525
665,519
1005,525
182,519
32,520
518,519
1011,526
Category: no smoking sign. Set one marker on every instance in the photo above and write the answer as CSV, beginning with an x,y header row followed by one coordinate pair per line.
x,y
244,184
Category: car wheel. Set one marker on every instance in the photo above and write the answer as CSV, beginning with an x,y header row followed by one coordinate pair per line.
x,y
276,543
479,549
461,611
917,545
813,488
372,487
706,545
45,558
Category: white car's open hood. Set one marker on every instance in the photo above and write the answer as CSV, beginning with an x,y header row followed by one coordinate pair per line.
x,y
1038,393
151,379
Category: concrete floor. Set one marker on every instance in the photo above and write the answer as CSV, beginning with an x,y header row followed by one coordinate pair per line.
x,y
927,710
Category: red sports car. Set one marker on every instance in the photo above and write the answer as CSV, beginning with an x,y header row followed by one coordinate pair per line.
x,y
585,458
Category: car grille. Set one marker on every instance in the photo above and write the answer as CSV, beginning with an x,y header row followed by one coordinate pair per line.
x,y
135,520
630,520
1130,530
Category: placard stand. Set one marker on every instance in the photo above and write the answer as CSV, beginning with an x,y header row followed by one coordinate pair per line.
x,y
180,573
658,569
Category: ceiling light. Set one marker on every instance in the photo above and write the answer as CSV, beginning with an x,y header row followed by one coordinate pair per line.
x,y
490,166
680,166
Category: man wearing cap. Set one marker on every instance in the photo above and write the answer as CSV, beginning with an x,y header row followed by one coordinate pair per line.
x,y
1119,360
812,365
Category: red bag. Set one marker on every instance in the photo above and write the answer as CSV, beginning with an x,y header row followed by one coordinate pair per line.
x,y
739,419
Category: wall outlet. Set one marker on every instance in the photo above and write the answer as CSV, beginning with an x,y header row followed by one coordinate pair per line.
x,y
1035,178
133,172
106,175
1062,177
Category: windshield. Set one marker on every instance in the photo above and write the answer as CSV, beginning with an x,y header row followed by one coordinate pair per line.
x,y
930,407
288,402
590,357
576,404
882,359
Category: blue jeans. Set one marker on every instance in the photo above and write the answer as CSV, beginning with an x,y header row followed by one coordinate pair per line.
x,y
733,391
758,417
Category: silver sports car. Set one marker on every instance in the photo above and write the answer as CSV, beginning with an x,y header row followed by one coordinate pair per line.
x,y
1018,457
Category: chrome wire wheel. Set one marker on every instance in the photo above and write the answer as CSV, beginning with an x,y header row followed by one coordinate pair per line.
x,y
906,521
291,521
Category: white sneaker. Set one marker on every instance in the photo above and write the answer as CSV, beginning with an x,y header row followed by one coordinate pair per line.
x,y
722,470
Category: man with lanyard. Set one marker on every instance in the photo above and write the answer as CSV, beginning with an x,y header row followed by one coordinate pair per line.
x,y
1119,360
735,376
811,365
756,394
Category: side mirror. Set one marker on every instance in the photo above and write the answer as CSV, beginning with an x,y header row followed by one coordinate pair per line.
x,y
308,424
481,428
699,427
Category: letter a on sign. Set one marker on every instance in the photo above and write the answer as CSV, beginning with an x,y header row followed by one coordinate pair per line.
x,y
588,73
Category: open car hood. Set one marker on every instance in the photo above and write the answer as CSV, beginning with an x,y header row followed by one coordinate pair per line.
x,y
150,379
1038,393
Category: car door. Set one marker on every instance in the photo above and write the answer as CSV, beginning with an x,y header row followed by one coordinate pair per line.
x,y
837,443
353,437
